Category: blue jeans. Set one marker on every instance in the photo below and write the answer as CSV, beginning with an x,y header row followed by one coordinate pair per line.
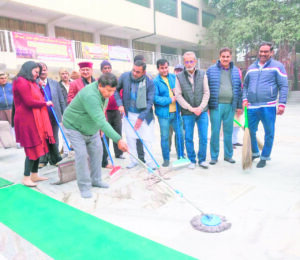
x,y
224,113
165,124
189,122
267,115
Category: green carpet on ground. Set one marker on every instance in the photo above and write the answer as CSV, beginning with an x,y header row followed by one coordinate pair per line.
x,y
4,182
64,232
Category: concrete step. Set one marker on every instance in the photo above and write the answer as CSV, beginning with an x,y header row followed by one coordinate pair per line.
x,y
294,97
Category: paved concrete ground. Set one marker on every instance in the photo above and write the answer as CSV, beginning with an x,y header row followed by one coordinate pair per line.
x,y
263,205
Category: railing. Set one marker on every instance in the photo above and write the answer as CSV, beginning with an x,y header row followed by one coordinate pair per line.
x,y
7,45
6,42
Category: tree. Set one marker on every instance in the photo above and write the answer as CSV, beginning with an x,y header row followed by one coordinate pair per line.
x,y
245,23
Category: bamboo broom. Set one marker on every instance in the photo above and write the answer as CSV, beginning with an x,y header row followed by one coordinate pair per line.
x,y
247,151
259,143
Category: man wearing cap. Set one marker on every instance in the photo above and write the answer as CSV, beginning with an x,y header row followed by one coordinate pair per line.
x,y
136,103
6,98
113,114
192,94
178,68
165,109
86,71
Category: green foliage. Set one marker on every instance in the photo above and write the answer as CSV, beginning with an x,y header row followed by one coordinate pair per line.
x,y
245,23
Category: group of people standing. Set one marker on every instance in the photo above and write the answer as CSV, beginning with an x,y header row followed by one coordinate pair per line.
x,y
91,108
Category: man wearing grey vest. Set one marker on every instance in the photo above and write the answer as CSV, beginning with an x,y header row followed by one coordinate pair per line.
x,y
192,94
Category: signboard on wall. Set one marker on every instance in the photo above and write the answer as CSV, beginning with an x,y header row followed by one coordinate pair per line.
x,y
32,46
94,51
119,53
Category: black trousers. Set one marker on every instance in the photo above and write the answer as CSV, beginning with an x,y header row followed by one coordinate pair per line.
x,y
53,156
115,120
105,154
30,166
140,150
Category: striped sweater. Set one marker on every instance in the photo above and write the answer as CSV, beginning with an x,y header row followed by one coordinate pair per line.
x,y
263,84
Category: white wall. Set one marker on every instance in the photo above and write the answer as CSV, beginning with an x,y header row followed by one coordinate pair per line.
x,y
118,12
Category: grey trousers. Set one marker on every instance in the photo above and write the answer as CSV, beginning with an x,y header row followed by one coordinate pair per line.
x,y
88,156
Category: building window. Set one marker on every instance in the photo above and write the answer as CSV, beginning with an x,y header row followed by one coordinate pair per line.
x,y
168,7
207,19
168,50
21,26
189,13
113,41
73,34
145,3
144,46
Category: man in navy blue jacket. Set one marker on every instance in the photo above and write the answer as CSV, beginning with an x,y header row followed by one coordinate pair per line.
x,y
265,78
136,103
165,109
225,99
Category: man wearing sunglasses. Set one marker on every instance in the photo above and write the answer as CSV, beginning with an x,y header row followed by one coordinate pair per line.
x,y
192,94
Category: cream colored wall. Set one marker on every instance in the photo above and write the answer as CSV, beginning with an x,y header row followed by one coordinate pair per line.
x,y
117,12
179,29
126,14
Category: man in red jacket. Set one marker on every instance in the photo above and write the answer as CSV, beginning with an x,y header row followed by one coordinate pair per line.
x,y
112,112
86,72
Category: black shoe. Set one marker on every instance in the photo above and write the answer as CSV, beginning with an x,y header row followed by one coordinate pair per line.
x,y
261,164
166,163
230,160
255,157
238,144
120,156
213,162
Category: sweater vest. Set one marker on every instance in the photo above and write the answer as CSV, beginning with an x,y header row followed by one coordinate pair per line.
x,y
194,98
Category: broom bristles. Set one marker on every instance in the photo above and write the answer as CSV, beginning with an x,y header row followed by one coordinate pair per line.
x,y
247,151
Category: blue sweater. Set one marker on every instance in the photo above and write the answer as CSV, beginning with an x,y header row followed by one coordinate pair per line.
x,y
261,86
124,83
6,97
214,75
162,98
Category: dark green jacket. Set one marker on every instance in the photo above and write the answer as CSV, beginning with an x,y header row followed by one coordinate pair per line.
x,y
85,113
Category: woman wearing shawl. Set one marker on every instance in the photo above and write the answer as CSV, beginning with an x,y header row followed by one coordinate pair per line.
x,y
32,124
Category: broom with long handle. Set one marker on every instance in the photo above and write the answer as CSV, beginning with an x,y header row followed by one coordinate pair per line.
x,y
181,162
247,151
259,143
137,134
210,223
56,119
115,169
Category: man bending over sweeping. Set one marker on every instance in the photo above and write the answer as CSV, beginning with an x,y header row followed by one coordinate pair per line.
x,y
83,119
265,78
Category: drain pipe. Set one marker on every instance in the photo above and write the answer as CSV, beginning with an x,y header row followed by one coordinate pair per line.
x,y
154,29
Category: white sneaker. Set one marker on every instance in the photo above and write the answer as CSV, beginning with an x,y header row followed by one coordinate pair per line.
x,y
204,165
192,166
131,165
